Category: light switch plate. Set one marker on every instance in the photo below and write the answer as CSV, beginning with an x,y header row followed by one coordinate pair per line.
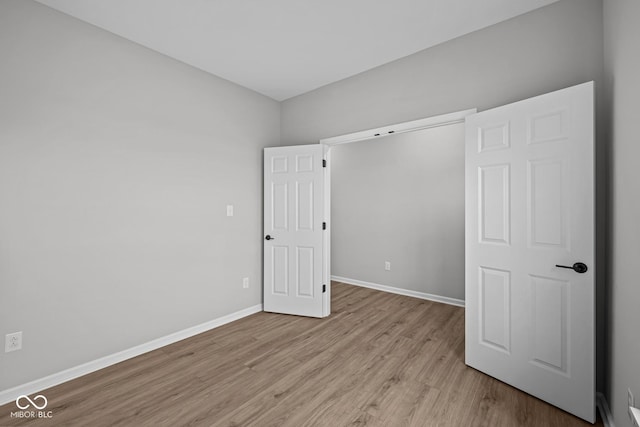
x,y
229,210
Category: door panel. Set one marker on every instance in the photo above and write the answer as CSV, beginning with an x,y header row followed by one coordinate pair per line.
x,y
530,206
495,309
547,209
280,220
305,274
294,181
493,137
304,203
495,221
280,270
549,322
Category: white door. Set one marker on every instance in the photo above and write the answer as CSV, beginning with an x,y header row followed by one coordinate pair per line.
x,y
530,210
294,228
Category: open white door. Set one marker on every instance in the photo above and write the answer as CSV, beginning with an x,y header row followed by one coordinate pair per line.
x,y
294,228
529,211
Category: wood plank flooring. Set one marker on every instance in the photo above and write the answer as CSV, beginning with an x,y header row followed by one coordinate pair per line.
x,y
379,359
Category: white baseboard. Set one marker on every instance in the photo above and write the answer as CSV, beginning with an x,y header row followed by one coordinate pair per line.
x,y
605,412
405,292
12,394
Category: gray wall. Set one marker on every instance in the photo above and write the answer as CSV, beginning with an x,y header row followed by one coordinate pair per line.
x,y
551,48
622,34
116,166
548,49
401,199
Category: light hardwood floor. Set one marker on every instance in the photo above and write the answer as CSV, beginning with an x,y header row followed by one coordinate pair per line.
x,y
379,359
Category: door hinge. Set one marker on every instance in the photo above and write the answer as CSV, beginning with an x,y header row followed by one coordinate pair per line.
x,y
324,225
324,163
324,288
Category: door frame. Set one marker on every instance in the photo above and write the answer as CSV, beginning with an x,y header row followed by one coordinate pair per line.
x,y
364,135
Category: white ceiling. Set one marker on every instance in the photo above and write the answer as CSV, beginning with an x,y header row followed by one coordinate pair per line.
x,y
283,48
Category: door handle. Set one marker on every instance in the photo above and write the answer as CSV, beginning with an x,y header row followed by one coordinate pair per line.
x,y
578,267
269,237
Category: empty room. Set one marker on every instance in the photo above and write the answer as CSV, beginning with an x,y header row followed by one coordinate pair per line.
x,y
319,213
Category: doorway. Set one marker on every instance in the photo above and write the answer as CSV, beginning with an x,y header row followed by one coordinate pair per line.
x,y
398,213
393,162
297,219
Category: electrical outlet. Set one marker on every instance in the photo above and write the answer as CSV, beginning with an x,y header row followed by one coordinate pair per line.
x,y
229,210
245,282
387,265
13,342
631,402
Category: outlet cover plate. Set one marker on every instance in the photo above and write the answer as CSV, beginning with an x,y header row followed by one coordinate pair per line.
x,y
13,342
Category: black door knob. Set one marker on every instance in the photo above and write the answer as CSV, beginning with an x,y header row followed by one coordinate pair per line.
x,y
578,267
269,237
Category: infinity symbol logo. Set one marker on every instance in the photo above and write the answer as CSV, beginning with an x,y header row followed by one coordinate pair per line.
x,y
31,402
